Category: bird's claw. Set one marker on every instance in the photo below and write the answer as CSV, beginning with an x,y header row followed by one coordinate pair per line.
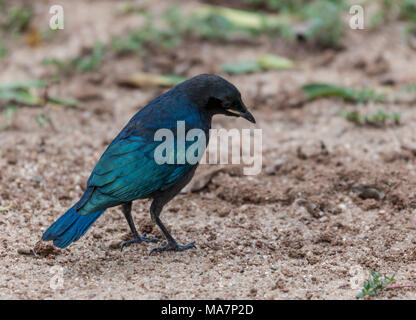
x,y
140,239
149,240
129,242
174,247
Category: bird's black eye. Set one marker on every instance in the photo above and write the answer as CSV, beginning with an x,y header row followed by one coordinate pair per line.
x,y
213,103
226,104
238,105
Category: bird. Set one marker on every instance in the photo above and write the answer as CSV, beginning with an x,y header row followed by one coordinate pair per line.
x,y
128,169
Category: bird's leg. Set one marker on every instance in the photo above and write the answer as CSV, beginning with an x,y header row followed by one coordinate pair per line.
x,y
126,208
155,211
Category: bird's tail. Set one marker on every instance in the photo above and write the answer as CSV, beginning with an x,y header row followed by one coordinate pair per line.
x,y
70,227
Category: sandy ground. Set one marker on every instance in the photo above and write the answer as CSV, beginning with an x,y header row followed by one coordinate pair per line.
x,y
302,229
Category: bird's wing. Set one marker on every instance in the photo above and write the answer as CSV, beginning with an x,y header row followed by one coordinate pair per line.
x,y
127,171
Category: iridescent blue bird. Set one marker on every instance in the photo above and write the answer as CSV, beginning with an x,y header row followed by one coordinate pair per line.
x,y
128,170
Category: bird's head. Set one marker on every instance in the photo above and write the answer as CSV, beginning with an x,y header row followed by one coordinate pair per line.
x,y
218,96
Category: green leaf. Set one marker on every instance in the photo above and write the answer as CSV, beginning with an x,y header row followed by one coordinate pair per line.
x,y
241,18
270,62
352,116
409,88
61,65
9,114
321,90
144,79
84,63
23,84
17,19
68,102
92,62
378,119
241,67
42,120
20,95
20,92
265,62
173,79
3,50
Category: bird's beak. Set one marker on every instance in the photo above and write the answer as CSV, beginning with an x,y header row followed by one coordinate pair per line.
x,y
244,114
248,116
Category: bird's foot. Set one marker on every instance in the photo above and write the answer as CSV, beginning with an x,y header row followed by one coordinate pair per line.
x,y
175,247
140,239
149,240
